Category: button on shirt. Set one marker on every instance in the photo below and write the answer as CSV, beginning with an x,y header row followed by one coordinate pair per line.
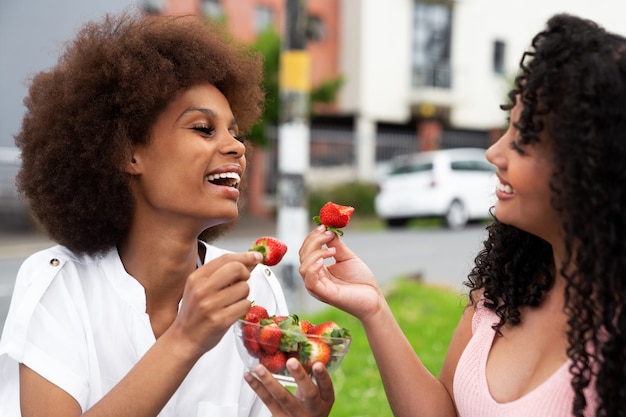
x,y
80,321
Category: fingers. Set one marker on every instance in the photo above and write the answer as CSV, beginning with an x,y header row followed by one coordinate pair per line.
x,y
311,399
324,383
249,260
269,390
313,253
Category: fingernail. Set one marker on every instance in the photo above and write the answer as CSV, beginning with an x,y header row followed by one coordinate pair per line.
x,y
258,256
248,377
318,368
321,227
331,250
259,370
292,364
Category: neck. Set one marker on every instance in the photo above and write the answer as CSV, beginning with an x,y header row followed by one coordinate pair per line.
x,y
161,263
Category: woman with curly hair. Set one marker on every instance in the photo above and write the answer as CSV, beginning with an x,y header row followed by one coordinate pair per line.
x,y
132,159
544,332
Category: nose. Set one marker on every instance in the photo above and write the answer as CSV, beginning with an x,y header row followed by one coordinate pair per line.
x,y
495,154
232,145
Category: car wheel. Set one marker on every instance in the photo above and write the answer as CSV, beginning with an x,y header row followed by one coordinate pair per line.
x,y
456,216
398,222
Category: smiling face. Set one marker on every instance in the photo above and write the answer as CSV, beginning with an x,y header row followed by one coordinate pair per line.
x,y
523,192
189,173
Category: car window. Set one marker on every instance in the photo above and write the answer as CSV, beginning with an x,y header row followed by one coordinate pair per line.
x,y
412,168
468,165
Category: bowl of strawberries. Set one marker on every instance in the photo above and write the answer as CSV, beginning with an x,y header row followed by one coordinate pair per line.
x,y
272,340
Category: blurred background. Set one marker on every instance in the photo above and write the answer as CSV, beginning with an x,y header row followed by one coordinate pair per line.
x,y
382,80
387,78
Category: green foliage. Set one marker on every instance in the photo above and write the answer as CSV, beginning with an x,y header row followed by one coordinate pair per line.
x,y
359,195
427,315
326,92
268,43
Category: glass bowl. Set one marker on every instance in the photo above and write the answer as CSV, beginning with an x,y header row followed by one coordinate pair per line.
x,y
307,348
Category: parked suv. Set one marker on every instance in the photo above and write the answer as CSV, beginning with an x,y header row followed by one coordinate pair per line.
x,y
457,185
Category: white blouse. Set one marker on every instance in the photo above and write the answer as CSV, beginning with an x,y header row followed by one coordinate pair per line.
x,y
80,321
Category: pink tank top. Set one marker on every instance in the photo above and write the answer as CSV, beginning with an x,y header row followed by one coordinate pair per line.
x,y
553,398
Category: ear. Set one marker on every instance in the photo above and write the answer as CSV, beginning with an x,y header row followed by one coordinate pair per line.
x,y
133,167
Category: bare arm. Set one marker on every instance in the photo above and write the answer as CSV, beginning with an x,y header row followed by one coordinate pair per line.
x,y
411,389
350,285
213,299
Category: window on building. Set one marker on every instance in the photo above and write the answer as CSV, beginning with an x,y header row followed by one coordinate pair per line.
x,y
263,18
432,27
211,8
316,30
152,6
498,57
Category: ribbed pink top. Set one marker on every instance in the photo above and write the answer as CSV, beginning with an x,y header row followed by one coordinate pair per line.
x,y
553,398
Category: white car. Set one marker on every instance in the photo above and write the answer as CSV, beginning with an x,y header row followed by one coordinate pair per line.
x,y
457,185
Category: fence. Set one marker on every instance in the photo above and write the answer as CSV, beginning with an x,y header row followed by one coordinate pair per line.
x,y
333,151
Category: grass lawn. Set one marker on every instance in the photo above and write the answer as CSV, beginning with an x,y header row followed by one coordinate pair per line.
x,y
428,316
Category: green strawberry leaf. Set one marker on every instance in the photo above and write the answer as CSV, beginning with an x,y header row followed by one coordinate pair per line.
x,y
335,230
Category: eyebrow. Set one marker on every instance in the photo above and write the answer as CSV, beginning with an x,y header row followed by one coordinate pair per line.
x,y
206,111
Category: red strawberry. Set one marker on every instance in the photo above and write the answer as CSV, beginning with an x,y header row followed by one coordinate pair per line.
x,y
278,319
328,329
305,326
275,363
250,334
271,248
269,337
334,216
315,351
256,313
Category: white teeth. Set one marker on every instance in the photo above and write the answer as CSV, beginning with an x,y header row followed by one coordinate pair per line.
x,y
504,188
224,175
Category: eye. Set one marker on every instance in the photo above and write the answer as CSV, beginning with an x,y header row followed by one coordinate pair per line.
x,y
517,147
236,135
204,130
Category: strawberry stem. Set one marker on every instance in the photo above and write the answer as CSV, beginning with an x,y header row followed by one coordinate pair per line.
x,y
335,230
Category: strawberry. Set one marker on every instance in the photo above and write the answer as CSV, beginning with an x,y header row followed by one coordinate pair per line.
x,y
250,334
269,337
271,248
328,329
255,314
315,350
305,326
275,363
334,217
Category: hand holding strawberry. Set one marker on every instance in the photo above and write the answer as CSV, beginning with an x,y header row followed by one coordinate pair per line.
x,y
271,248
334,216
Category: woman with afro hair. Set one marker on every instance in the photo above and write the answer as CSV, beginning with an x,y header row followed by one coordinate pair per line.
x,y
544,331
132,159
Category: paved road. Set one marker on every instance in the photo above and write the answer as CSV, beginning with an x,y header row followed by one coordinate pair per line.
x,y
439,256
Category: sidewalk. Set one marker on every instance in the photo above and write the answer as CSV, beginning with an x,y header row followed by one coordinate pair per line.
x,y
15,244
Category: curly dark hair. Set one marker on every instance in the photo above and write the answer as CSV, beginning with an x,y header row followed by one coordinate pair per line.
x,y
107,90
573,86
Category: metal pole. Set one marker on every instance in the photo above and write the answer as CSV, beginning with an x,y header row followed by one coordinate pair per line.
x,y
293,150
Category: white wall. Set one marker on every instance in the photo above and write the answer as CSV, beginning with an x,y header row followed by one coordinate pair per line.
x,y
376,46
376,58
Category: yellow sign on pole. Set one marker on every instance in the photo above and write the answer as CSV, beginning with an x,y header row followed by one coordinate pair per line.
x,y
295,71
